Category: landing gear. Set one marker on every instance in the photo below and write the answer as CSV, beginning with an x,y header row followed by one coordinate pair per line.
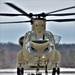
x,y
46,64
46,69
37,68
20,71
56,70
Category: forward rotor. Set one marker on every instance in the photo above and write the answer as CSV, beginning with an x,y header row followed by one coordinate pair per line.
x,y
37,16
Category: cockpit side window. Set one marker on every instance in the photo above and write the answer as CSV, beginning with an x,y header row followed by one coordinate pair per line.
x,y
27,36
32,36
47,36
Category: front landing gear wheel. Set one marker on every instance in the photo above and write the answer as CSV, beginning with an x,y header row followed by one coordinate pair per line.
x,y
46,65
46,69
54,71
58,71
38,66
20,71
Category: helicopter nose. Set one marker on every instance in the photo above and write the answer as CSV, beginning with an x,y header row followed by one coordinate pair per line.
x,y
42,56
40,53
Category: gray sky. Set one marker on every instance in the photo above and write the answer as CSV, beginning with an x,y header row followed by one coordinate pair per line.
x,y
12,32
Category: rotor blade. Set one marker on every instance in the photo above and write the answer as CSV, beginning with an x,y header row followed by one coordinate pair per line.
x,y
14,22
8,14
62,20
18,9
62,9
62,14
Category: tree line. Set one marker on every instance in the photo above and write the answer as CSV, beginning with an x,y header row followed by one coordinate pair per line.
x,y
8,53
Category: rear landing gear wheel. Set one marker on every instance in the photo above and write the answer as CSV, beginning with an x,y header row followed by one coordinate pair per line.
x,y
20,71
56,70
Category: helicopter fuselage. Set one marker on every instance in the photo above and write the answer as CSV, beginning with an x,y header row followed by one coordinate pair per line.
x,y
38,47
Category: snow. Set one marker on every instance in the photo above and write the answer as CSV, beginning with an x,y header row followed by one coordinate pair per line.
x,y
61,69
68,69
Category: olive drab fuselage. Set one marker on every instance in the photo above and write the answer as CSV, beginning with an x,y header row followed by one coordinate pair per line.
x,y
38,46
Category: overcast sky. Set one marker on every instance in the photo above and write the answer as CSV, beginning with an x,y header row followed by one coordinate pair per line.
x,y
12,32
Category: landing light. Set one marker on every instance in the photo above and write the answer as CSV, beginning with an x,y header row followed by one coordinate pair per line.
x,y
43,57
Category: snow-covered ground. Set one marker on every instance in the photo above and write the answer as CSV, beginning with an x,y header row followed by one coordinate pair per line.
x,y
61,69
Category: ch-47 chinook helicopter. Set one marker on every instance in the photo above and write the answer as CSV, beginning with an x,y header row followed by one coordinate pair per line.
x,y
38,45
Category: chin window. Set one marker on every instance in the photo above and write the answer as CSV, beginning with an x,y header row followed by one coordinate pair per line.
x,y
47,50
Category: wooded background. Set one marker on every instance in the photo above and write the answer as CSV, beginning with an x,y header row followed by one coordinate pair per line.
x,y
8,53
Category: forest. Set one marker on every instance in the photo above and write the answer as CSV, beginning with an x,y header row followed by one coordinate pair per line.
x,y
8,53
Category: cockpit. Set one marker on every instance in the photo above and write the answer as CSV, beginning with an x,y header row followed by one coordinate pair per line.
x,y
34,36
39,39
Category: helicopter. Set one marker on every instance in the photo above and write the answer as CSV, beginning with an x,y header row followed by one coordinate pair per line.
x,y
38,45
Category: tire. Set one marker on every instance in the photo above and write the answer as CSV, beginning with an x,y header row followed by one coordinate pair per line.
x,y
58,71
18,71
54,71
22,71
46,71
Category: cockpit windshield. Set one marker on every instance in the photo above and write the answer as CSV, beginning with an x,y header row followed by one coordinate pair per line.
x,y
34,36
